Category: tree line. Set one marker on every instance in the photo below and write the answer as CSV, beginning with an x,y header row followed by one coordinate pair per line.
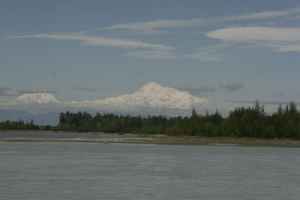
x,y
241,122
18,125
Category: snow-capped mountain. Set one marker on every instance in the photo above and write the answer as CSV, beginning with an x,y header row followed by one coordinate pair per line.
x,y
37,98
150,96
150,99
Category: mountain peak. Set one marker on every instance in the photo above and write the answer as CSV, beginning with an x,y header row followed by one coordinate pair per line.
x,y
150,86
154,95
37,98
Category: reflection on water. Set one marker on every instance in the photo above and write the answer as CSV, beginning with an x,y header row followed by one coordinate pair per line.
x,y
130,171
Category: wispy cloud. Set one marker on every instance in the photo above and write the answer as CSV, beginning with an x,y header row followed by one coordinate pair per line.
x,y
98,41
265,14
249,34
12,92
280,39
156,25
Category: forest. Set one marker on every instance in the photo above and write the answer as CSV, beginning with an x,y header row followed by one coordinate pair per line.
x,y
251,122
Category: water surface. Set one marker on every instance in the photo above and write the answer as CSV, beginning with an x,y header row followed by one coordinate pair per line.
x,y
64,171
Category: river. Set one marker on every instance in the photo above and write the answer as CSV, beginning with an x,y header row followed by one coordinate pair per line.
x,y
77,171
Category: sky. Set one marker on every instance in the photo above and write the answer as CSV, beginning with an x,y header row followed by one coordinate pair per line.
x,y
227,50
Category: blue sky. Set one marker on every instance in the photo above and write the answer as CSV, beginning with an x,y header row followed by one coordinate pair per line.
x,y
229,50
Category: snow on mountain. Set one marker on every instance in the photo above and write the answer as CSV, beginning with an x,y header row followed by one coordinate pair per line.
x,y
37,98
150,99
150,96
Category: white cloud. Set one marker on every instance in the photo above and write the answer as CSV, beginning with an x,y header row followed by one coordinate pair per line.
x,y
153,26
99,41
156,25
13,92
265,15
280,39
249,34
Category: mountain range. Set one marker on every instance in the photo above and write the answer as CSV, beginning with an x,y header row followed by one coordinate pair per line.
x,y
150,99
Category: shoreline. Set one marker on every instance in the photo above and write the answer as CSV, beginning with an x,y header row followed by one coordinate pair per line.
x,y
97,137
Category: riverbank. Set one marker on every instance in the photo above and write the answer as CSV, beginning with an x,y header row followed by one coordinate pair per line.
x,y
50,136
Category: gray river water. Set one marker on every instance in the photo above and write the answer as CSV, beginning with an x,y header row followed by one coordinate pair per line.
x,y
83,171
